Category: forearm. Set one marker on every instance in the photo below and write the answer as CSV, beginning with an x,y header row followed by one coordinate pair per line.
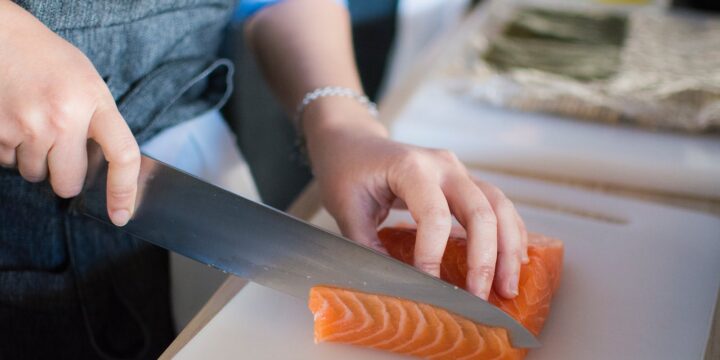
x,y
305,44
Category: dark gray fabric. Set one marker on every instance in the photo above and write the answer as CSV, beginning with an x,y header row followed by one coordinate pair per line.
x,y
80,289
72,288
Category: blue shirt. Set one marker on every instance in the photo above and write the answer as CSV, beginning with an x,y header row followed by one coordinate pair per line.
x,y
247,8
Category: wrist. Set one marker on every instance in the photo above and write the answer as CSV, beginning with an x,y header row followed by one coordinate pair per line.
x,y
332,115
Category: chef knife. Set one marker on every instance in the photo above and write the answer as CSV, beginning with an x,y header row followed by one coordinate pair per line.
x,y
188,216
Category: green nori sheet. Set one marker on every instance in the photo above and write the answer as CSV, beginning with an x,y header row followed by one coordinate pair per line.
x,y
583,47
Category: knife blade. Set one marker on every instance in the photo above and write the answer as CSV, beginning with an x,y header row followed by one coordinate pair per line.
x,y
188,216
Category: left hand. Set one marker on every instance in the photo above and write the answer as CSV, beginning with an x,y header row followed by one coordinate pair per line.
x,y
361,174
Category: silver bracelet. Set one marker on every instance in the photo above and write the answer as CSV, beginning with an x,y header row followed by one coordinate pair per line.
x,y
327,91
321,92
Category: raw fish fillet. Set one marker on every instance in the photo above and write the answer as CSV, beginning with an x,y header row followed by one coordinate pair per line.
x,y
408,327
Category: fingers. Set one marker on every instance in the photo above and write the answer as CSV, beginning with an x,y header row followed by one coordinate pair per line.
x,y
358,222
430,210
8,144
67,163
32,160
7,157
510,241
510,224
524,238
110,131
472,208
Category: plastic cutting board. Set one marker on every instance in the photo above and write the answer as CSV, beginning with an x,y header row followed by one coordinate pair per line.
x,y
639,282
492,137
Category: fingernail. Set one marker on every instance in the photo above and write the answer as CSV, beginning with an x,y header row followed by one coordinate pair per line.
x,y
120,217
514,284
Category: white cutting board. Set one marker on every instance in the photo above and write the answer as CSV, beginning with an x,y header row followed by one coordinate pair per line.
x,y
550,145
422,109
640,285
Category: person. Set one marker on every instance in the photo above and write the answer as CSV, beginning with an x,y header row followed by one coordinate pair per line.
x,y
120,73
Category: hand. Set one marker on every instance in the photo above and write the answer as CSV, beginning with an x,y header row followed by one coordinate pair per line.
x,y
51,101
361,173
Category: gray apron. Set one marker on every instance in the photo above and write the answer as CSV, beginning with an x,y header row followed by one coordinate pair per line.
x,y
71,287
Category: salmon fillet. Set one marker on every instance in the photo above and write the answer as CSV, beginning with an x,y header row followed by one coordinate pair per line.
x,y
408,327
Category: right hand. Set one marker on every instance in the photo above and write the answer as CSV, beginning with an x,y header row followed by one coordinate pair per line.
x,y
51,101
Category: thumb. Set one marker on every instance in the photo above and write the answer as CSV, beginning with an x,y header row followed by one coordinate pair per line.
x,y
359,223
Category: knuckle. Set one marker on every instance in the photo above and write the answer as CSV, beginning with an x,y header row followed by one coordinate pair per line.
x,y
483,216
447,156
413,163
491,190
33,125
86,79
505,206
128,153
428,266
63,114
483,271
122,192
93,83
513,252
437,213
436,217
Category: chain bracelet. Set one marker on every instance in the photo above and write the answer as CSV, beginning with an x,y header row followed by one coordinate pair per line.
x,y
326,91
